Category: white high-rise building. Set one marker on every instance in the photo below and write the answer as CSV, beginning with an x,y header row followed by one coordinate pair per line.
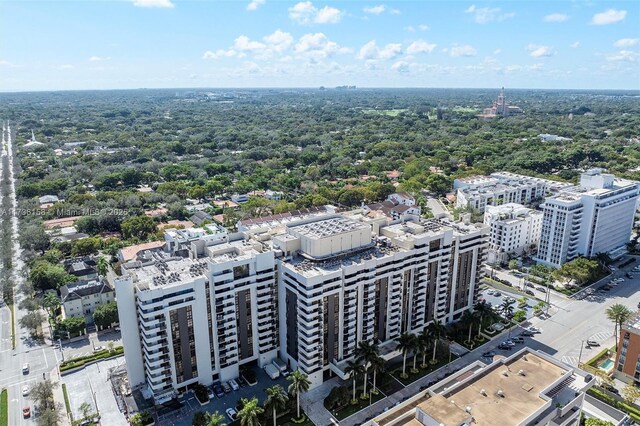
x,y
595,217
306,289
501,188
514,229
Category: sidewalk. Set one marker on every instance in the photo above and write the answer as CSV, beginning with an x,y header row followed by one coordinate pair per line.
x,y
58,397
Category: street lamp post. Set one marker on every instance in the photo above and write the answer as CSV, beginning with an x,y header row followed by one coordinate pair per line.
x,y
580,355
61,351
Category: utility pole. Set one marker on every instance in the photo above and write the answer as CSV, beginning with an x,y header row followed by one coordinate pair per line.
x,y
580,355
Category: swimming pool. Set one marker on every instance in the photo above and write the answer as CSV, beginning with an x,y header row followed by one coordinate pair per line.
x,y
607,365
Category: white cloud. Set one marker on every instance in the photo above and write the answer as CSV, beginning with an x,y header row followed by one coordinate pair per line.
x,y
244,44
220,53
624,55
538,51
306,13
154,3
65,67
497,51
610,16
575,45
317,46
255,4
556,18
99,58
423,27
395,11
420,46
279,40
627,42
410,29
484,15
463,50
375,10
400,66
371,51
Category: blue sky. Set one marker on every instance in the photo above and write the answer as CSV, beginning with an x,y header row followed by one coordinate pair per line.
x,y
57,45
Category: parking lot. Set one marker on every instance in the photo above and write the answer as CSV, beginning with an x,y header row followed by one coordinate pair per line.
x,y
191,405
489,294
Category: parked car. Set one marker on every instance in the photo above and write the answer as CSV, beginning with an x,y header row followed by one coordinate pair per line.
x,y
608,387
509,342
542,289
25,390
226,387
534,329
232,414
518,339
218,390
98,348
529,292
26,412
25,368
234,385
528,284
592,343
489,354
527,333
504,346
497,293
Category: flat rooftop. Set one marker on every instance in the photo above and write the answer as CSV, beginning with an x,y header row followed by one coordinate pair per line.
x,y
328,227
162,272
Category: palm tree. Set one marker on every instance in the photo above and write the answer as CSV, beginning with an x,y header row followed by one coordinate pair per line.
x,y
619,314
276,399
102,265
415,348
437,330
506,308
353,370
482,309
216,419
250,412
469,318
377,365
424,341
365,352
404,343
299,383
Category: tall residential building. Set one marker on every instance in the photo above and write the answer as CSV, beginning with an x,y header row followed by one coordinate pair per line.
x,y
594,217
500,108
502,187
627,362
305,288
514,229
525,389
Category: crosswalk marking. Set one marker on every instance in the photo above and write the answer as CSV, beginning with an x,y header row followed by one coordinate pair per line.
x,y
570,360
599,337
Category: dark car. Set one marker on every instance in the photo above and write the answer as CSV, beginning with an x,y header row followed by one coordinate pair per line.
x,y
610,388
527,333
217,389
592,343
528,284
529,292
517,339
542,289
504,346
489,354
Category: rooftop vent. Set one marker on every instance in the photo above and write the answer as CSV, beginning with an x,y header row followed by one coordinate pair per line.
x,y
525,358
500,393
483,392
521,372
467,409
505,373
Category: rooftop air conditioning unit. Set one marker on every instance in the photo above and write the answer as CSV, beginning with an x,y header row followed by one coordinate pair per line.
x,y
521,372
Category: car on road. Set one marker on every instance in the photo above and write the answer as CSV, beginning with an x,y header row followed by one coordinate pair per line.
x,y
232,414
527,333
528,284
592,343
25,368
26,412
529,292
489,354
234,385
504,346
98,348
25,390
517,339
509,343
534,329
610,388
542,289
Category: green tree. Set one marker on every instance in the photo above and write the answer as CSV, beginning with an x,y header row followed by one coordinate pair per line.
x,y
102,265
249,412
276,400
34,238
514,264
437,330
42,395
49,417
85,409
299,384
353,369
619,314
377,366
45,276
138,227
32,321
216,419
141,419
594,421
365,352
405,343
482,309
51,303
105,315
85,246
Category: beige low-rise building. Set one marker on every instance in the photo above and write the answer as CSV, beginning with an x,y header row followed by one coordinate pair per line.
x,y
82,298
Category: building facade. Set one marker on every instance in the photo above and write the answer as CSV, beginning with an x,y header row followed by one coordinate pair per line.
x,y
81,299
627,363
306,289
595,217
514,229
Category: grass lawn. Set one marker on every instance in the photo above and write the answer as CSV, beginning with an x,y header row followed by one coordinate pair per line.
x,y
4,408
66,400
287,419
387,112
388,384
350,409
477,341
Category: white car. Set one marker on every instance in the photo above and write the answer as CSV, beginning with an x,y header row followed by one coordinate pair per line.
x,y
25,368
232,413
234,385
25,390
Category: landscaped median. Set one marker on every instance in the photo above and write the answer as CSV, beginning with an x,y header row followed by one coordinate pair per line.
x,y
4,408
77,363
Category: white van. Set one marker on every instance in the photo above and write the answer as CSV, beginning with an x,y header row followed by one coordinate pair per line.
x,y
272,371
